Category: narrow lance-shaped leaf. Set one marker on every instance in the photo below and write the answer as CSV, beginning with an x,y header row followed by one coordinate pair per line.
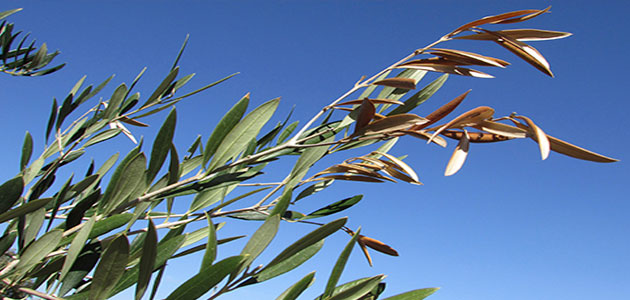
x,y
443,111
238,138
358,290
334,207
519,35
288,264
414,295
162,145
539,136
114,103
24,209
229,120
75,248
398,82
497,19
472,116
27,151
390,124
524,51
211,246
110,269
162,87
147,260
51,119
259,241
37,250
296,289
127,182
339,266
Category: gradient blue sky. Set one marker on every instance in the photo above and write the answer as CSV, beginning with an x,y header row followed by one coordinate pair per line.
x,y
507,226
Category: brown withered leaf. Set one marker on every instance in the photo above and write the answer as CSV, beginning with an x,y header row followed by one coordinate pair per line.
x,y
421,134
365,115
365,251
525,17
524,51
400,164
390,124
373,101
469,57
475,137
499,18
568,149
443,111
459,156
392,171
352,168
133,122
519,35
350,178
398,82
446,68
539,136
471,117
502,129
377,245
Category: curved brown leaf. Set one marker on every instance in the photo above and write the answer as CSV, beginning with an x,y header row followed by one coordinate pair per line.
x,y
443,111
365,251
401,165
469,57
446,68
377,245
471,117
524,51
519,35
502,129
132,122
475,137
514,16
524,18
366,113
568,149
539,136
398,82
390,124
459,156
421,134
391,169
350,178
373,101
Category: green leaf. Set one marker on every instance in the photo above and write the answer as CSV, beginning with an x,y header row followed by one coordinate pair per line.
x,y
102,227
147,260
201,283
34,222
128,180
37,250
308,240
284,135
397,93
414,295
358,290
181,51
82,266
296,289
110,269
162,88
10,192
312,189
306,160
7,13
75,248
27,150
211,247
114,103
162,145
340,265
236,140
259,241
283,203
290,263
420,96
7,240
51,119
334,207
102,136
24,209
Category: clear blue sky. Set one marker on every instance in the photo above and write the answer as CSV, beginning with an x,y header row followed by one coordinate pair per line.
x,y
507,226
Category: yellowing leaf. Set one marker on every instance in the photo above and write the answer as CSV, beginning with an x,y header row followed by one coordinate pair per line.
x,y
458,158
398,82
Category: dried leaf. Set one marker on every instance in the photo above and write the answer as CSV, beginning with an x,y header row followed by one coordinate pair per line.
x,y
502,129
365,251
403,166
377,245
539,136
133,122
391,170
524,18
360,178
421,134
469,57
524,51
470,117
519,35
442,112
458,158
391,123
568,149
475,137
448,68
398,82
365,114
513,16
352,168
373,101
